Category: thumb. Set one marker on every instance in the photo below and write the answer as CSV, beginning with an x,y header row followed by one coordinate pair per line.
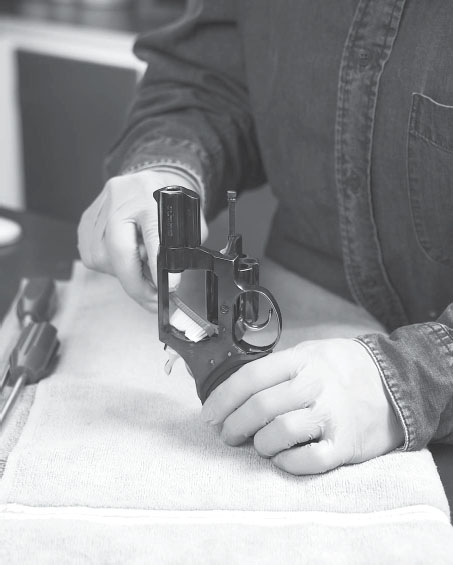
x,y
174,279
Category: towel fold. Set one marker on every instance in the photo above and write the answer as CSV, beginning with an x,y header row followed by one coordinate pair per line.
x,y
404,537
110,431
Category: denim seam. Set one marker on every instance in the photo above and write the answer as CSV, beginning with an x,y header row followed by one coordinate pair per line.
x,y
385,375
443,337
368,86
437,145
448,331
344,92
430,251
195,149
171,141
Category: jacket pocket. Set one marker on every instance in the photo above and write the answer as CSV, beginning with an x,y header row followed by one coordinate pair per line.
x,y
430,176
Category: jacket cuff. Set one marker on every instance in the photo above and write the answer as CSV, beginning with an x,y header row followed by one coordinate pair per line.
x,y
179,171
180,155
415,363
389,386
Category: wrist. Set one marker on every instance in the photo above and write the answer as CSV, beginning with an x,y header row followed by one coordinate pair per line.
x,y
394,420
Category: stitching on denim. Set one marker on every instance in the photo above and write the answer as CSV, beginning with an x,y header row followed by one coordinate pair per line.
x,y
394,314
380,365
171,162
442,335
449,332
432,253
344,93
432,142
418,100
207,160
145,142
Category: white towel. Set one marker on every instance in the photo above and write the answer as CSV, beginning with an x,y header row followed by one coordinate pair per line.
x,y
110,431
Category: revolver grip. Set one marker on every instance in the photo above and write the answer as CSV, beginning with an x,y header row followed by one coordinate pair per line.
x,y
223,372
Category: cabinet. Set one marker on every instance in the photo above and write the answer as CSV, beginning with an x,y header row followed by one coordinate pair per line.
x,y
64,95
71,112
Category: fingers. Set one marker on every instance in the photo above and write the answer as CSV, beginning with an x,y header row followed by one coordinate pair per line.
x,y
262,408
126,208
121,242
287,430
147,220
248,380
99,254
148,254
310,459
85,231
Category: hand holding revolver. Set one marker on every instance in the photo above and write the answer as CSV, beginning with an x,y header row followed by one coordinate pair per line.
x,y
118,234
310,408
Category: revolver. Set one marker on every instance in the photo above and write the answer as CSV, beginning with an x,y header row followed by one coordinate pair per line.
x,y
232,294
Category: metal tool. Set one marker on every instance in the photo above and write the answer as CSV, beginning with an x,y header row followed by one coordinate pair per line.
x,y
37,342
232,292
29,361
37,301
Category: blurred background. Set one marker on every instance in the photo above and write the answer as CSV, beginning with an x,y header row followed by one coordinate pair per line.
x,y
67,76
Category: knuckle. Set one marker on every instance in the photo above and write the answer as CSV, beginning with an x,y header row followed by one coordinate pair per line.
x,y
131,289
297,359
114,190
325,461
149,230
260,403
285,427
254,373
99,260
297,387
85,253
113,184
86,258
259,445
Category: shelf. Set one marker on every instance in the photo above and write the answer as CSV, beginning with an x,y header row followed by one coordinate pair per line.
x,y
141,15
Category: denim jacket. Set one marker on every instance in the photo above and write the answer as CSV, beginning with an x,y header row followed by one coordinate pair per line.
x,y
346,109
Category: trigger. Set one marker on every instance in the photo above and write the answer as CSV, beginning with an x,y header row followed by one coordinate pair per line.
x,y
172,358
258,327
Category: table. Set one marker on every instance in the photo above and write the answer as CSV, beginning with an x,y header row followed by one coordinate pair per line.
x,y
48,247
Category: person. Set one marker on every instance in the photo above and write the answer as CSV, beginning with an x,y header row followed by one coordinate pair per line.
x,y
346,110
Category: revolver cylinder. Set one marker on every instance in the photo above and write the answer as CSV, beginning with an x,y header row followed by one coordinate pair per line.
x,y
179,217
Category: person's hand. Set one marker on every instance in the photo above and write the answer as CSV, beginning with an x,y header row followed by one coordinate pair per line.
x,y
118,234
328,393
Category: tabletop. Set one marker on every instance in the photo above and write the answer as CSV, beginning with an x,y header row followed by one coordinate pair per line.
x,y
48,248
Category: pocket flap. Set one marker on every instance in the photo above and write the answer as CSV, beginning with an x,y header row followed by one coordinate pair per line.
x,y
432,121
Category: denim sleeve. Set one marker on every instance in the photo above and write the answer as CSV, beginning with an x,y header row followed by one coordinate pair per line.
x,y
416,365
191,108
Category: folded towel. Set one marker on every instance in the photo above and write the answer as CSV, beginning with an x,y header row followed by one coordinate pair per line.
x,y
110,431
411,537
